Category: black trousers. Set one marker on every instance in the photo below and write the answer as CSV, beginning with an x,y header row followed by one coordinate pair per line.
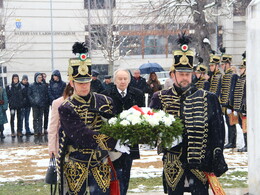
x,y
46,117
123,167
232,132
196,187
37,119
19,119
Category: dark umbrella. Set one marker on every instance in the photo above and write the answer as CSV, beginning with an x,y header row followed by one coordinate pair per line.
x,y
147,68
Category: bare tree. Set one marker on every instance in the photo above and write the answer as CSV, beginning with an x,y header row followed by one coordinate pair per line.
x,y
104,31
6,55
202,15
8,34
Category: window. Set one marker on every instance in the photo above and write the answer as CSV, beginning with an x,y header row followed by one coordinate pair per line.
x,y
137,39
154,45
172,43
99,4
98,36
1,3
132,45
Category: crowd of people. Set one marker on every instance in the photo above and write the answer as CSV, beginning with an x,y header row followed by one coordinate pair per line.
x,y
22,97
198,96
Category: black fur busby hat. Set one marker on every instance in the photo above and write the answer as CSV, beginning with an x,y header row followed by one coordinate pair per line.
x,y
214,59
243,65
225,57
183,58
201,68
79,69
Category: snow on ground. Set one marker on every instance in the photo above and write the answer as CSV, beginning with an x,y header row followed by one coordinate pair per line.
x,y
7,131
30,163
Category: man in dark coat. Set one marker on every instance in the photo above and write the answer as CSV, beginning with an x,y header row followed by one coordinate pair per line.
x,y
139,82
56,86
15,97
124,97
26,106
201,148
38,96
107,84
85,149
96,85
227,98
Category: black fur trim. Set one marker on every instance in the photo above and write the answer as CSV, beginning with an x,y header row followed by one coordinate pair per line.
x,y
79,48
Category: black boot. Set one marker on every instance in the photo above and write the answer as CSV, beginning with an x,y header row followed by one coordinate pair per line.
x,y
229,145
2,134
232,137
244,149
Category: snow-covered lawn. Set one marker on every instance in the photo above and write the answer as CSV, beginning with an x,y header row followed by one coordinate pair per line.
x,y
31,162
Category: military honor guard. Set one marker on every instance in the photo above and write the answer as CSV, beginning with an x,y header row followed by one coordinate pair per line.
x,y
201,148
240,101
216,75
83,150
201,74
227,97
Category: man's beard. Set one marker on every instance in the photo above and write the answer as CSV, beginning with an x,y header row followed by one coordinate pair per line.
x,y
184,88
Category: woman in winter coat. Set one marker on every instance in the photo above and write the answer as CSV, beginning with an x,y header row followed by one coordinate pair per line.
x,y
15,97
3,108
53,129
154,84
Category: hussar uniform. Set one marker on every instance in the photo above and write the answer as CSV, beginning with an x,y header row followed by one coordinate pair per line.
x,y
201,148
215,79
202,82
240,102
227,98
83,149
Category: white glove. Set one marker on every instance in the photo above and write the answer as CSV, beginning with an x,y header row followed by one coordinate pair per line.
x,y
229,111
235,113
122,148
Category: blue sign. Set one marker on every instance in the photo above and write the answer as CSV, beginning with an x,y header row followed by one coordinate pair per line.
x,y
18,23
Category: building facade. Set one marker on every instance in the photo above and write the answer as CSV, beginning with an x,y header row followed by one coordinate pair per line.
x,y
37,35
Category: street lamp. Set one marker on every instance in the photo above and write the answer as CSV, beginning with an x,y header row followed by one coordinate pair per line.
x,y
218,4
52,61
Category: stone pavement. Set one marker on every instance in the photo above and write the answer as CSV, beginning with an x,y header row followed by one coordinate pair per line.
x,y
230,191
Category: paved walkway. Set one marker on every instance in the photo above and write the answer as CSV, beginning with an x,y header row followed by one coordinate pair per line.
x,y
230,191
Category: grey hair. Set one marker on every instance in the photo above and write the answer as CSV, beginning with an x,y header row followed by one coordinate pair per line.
x,y
137,70
124,70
